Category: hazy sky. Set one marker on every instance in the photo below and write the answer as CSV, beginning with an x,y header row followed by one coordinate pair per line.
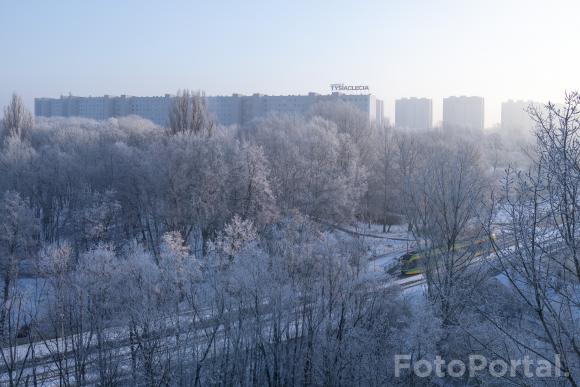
x,y
498,49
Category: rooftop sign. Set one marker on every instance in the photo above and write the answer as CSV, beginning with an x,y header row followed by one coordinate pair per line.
x,y
343,87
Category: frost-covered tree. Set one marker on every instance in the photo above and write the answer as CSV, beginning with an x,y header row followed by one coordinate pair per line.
x,y
18,236
541,269
313,169
451,192
17,120
236,235
384,188
351,121
188,114
17,158
252,196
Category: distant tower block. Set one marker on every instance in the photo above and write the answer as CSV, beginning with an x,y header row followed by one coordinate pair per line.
x,y
515,116
414,113
463,113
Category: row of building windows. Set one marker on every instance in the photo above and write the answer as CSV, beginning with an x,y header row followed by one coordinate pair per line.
x,y
227,110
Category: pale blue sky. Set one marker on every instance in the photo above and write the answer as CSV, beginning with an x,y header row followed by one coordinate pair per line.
x,y
427,48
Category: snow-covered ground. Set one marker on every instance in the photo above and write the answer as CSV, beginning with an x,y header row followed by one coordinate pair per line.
x,y
384,249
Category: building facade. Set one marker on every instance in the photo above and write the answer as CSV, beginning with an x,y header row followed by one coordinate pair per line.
x,y
227,110
100,108
414,113
515,117
463,113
